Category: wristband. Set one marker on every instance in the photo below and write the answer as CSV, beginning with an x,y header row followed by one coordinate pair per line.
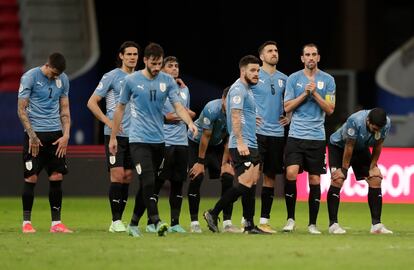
x,y
344,171
201,160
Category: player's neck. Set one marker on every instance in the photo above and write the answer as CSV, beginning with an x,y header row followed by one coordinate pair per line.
x,y
147,74
310,73
270,69
128,70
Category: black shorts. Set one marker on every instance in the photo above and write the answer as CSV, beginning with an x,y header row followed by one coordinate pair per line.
x,y
271,151
213,158
147,157
123,155
242,163
175,164
47,155
360,160
310,155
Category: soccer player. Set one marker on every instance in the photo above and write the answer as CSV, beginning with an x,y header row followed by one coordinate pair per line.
x,y
268,94
147,90
241,124
310,94
120,166
43,109
209,149
175,163
349,146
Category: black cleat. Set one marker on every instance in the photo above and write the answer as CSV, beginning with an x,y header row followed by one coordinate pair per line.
x,y
254,230
211,221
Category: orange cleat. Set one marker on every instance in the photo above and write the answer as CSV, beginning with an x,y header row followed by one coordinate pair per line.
x,y
60,228
28,228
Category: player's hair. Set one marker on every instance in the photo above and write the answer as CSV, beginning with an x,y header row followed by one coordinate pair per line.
x,y
170,59
310,45
378,117
225,91
248,59
153,49
57,60
269,42
126,44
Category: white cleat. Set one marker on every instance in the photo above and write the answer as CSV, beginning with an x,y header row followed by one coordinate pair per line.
x,y
290,225
379,228
336,229
313,230
195,227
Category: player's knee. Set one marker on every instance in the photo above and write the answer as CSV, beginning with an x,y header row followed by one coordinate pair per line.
x,y
55,176
128,175
314,179
31,179
117,175
374,182
337,182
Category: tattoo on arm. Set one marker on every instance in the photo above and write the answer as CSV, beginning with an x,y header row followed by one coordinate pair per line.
x,y
22,104
236,123
65,115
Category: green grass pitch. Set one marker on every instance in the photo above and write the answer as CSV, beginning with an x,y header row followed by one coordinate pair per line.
x,y
93,247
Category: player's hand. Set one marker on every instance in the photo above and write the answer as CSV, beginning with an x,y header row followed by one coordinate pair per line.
x,y
259,121
375,172
227,168
62,145
113,145
338,175
196,170
243,149
310,88
193,129
180,83
34,145
284,120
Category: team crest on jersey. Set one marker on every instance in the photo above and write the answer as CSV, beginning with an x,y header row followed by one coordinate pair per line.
x,y
206,121
163,87
183,95
236,99
320,85
280,83
377,135
100,86
59,83
29,165
20,88
351,131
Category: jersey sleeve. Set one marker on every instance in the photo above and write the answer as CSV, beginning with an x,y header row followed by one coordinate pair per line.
x,y
290,88
330,90
26,85
103,86
65,92
236,97
208,118
125,94
350,130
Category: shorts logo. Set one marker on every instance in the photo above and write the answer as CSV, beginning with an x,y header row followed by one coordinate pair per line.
x,y
280,82
163,87
100,86
333,169
112,159
247,164
320,85
350,131
58,83
206,121
138,168
377,135
236,99
29,165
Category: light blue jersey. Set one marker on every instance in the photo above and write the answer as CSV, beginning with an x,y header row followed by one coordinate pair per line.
x,y
308,118
109,88
44,99
356,128
240,96
147,99
176,134
213,118
268,94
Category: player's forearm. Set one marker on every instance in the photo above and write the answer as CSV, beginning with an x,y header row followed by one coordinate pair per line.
x,y
236,124
182,113
119,112
326,106
24,117
292,104
97,112
65,116
348,150
376,152
204,140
